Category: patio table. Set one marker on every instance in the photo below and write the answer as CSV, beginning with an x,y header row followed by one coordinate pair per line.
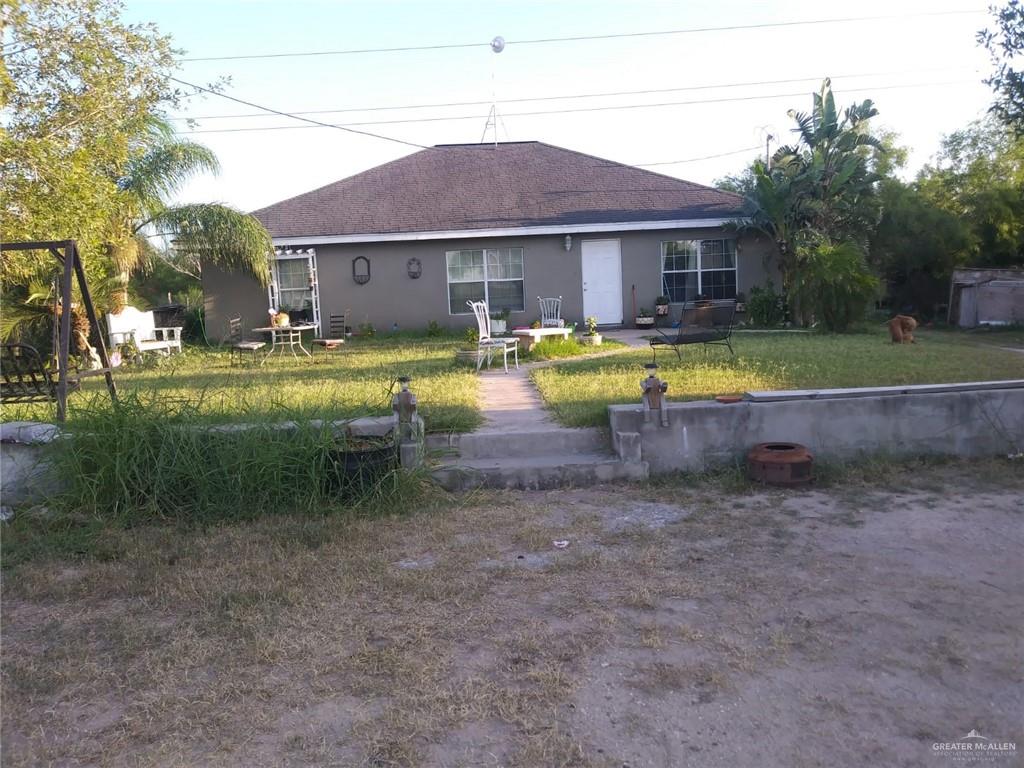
x,y
532,336
284,337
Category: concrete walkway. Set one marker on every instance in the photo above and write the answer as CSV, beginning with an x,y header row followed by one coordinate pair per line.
x,y
512,403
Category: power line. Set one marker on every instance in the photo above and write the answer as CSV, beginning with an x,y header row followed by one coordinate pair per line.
x,y
581,38
696,159
568,96
763,97
313,123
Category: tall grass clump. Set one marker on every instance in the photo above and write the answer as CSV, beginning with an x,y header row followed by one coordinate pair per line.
x,y
150,460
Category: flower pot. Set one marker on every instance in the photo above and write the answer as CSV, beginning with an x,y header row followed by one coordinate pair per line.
x,y
661,310
466,356
644,322
594,341
498,326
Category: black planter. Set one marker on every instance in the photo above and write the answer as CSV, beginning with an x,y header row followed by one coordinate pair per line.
x,y
352,469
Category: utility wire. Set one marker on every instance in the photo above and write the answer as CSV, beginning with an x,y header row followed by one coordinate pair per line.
x,y
313,123
347,126
696,159
569,96
581,38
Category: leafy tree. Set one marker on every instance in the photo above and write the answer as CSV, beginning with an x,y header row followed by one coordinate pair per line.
x,y
978,177
1004,44
915,247
81,89
85,153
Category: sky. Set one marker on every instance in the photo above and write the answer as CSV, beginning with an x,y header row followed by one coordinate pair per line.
x,y
924,73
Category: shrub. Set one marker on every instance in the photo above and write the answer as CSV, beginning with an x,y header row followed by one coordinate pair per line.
x,y
434,329
765,306
833,283
367,330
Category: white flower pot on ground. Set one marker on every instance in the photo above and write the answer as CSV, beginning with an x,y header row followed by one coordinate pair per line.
x,y
498,326
594,341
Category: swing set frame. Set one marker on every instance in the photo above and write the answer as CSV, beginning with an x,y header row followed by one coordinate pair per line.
x,y
66,253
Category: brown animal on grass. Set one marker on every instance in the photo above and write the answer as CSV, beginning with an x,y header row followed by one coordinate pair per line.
x,y
901,329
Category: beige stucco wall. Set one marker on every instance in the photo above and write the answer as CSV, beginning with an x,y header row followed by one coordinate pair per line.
x,y
391,296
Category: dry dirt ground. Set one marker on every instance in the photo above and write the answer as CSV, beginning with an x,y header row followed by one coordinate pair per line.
x,y
687,623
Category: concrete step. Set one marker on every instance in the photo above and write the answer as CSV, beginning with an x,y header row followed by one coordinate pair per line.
x,y
538,472
501,444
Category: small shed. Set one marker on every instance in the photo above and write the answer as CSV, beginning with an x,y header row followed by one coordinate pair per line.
x,y
986,297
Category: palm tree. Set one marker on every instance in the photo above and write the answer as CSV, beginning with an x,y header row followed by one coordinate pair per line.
x,y
145,225
197,232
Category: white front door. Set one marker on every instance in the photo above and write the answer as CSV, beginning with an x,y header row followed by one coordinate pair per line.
x,y
602,281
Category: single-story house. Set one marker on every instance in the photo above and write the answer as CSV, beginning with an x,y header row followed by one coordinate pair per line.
x,y
411,241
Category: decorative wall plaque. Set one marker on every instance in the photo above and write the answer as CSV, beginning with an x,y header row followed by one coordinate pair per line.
x,y
361,270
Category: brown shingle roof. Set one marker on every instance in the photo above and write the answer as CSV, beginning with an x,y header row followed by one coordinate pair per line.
x,y
483,186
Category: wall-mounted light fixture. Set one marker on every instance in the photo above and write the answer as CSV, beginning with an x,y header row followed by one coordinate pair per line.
x,y
568,242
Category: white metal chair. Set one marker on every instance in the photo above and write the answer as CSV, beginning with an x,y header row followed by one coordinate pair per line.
x,y
551,313
488,345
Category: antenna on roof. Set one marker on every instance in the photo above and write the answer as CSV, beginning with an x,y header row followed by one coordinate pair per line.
x,y
497,45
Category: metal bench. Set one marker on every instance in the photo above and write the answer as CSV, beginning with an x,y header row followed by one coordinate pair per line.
x,y
700,322
24,377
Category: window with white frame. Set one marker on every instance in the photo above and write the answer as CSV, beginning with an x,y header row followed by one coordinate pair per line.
x,y
692,268
294,284
494,275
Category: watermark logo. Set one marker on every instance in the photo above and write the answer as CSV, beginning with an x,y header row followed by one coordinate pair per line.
x,y
974,748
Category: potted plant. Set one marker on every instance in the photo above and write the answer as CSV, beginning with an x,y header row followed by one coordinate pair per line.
x,y
467,351
661,306
644,319
591,337
741,302
499,321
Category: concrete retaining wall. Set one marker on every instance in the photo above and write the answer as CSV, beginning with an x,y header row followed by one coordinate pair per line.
x,y
976,419
26,475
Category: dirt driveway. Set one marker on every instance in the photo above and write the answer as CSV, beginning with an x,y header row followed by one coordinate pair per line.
x,y
856,624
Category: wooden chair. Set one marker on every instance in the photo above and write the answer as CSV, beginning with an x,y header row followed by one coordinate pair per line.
x,y
335,338
486,346
237,342
24,377
700,322
551,313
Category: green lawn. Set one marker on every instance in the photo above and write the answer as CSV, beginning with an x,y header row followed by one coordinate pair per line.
x,y
352,382
579,392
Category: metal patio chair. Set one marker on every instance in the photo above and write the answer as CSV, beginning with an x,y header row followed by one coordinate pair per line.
x,y
487,345
238,343
335,338
551,313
